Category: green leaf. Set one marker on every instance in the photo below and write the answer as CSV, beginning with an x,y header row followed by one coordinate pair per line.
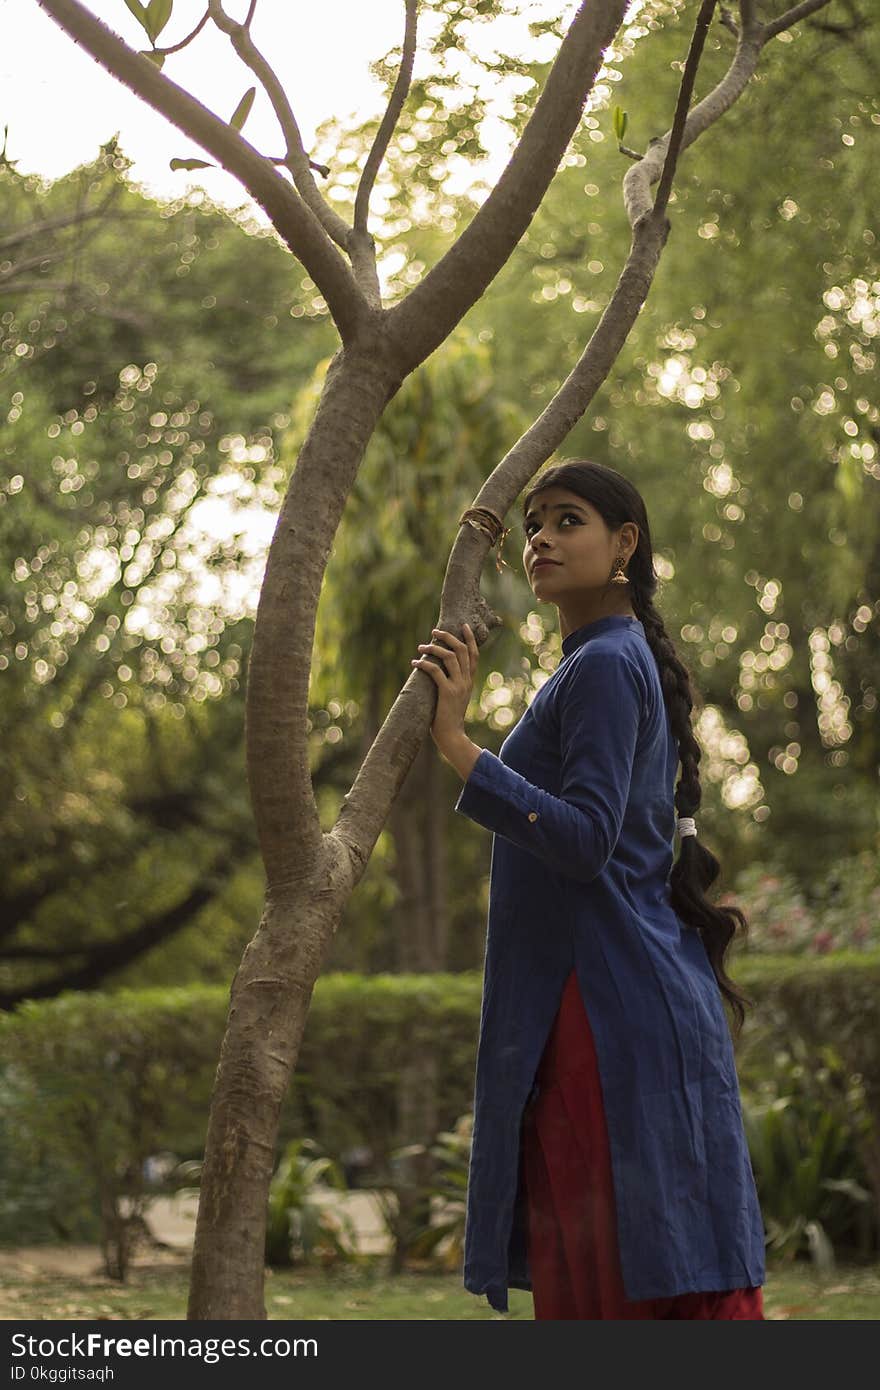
x,y
242,110
157,16
620,118
189,164
154,57
139,12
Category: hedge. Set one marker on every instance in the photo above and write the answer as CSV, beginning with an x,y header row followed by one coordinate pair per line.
x,y
93,1084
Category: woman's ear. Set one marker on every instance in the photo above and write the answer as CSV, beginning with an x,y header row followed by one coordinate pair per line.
x,y
630,534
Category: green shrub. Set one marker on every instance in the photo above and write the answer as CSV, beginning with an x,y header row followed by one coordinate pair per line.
x,y
93,1085
820,1001
299,1230
841,912
805,1126
443,1238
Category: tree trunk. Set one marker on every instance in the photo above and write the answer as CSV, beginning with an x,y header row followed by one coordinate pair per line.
x,y
310,875
269,1005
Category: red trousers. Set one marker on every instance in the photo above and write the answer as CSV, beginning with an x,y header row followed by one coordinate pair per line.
x,y
572,1219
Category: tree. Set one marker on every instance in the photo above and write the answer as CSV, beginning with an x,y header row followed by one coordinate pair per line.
x,y
126,407
311,873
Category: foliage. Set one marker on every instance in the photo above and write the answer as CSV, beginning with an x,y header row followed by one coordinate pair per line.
x,y
124,616
299,1228
43,1193
805,1126
813,1003
94,1085
176,359
840,912
443,1238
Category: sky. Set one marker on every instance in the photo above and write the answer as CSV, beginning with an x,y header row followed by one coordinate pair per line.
x,y
60,105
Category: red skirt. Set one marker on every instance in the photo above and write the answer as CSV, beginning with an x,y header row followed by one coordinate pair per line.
x,y
572,1219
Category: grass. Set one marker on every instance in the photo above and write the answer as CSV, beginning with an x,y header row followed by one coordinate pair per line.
x,y
850,1293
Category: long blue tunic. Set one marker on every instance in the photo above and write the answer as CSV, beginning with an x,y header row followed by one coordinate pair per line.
x,y
580,801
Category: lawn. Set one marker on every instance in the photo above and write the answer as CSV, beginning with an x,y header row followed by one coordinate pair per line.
x,y
159,1291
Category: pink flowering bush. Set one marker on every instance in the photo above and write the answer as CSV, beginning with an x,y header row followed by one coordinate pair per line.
x,y
839,912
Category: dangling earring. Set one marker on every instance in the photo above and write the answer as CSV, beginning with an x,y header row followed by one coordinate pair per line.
x,y
619,577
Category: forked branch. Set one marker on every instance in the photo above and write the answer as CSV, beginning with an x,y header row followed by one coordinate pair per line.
x,y
290,215
296,158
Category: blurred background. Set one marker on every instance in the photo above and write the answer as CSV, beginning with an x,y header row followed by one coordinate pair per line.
x,y
161,355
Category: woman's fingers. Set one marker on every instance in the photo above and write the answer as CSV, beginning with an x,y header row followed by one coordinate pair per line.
x,y
472,647
466,652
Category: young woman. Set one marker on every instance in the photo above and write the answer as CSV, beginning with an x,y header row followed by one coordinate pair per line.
x,y
609,1171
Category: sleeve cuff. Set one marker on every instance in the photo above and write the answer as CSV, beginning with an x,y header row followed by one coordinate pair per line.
x,y
491,791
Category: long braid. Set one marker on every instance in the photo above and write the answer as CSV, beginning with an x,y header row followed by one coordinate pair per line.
x,y
678,694
696,868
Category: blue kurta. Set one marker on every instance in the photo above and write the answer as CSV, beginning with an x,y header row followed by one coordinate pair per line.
x,y
580,801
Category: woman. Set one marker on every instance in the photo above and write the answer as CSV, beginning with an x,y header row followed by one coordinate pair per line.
x,y
609,1171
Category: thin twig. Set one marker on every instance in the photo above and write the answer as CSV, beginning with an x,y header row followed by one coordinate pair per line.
x,y
295,222
427,313
297,159
175,48
792,16
685,92
322,169
389,120
727,19
55,224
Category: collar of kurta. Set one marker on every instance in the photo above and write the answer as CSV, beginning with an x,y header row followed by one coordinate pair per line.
x,y
579,635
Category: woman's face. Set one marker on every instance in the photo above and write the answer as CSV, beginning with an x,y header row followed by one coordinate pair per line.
x,y
561,526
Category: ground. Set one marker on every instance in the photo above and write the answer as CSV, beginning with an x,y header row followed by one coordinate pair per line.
x,y
66,1282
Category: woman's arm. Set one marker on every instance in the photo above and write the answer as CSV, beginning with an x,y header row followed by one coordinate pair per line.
x,y
600,712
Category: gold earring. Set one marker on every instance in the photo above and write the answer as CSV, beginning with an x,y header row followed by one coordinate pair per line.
x,y
619,577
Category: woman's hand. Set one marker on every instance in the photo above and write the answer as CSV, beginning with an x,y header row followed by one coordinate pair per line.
x,y
453,676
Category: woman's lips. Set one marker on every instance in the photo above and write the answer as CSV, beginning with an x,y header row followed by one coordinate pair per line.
x,y
540,563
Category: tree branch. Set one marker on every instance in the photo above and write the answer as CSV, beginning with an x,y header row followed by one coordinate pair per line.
x,y
751,40
727,19
685,92
294,221
432,309
17,267
363,813
108,956
55,224
792,16
296,158
175,48
389,120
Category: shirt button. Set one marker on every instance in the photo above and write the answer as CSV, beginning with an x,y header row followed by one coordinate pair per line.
x,y
533,815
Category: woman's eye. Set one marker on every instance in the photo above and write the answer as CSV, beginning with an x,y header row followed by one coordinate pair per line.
x,y
565,515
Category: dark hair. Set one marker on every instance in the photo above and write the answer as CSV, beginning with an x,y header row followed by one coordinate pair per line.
x,y
696,868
